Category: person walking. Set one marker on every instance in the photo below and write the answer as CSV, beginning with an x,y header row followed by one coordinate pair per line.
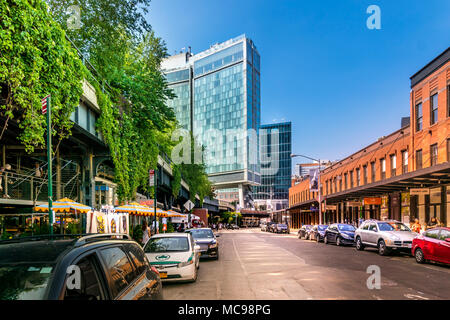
x,y
145,232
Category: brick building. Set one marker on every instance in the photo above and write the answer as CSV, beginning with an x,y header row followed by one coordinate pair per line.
x,y
402,176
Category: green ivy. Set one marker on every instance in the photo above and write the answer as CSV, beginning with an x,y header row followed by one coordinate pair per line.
x,y
36,60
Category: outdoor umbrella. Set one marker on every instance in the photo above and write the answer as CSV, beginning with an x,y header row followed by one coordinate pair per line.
x,y
64,205
159,212
135,208
174,214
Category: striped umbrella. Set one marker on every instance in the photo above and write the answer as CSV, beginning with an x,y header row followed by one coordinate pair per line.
x,y
135,208
174,214
64,205
159,212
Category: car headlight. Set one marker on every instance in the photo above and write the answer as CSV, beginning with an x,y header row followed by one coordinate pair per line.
x,y
213,245
346,236
185,264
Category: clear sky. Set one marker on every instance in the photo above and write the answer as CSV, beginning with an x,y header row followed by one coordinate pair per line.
x,y
341,84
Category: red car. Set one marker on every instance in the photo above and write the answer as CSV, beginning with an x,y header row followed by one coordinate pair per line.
x,y
433,244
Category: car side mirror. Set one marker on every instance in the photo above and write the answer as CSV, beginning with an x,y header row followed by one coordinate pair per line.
x,y
196,247
447,240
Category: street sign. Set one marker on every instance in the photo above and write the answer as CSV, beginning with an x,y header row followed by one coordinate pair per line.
x,y
151,177
189,205
44,104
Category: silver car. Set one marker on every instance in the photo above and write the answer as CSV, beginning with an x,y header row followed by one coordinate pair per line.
x,y
386,236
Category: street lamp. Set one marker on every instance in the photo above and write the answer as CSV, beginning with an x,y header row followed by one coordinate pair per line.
x,y
319,192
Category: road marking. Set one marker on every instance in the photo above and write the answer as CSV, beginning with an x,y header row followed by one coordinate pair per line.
x,y
415,296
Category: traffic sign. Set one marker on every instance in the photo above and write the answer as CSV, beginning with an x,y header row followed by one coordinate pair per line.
x,y
189,205
151,177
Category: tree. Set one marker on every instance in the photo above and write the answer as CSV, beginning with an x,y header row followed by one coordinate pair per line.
x,y
36,60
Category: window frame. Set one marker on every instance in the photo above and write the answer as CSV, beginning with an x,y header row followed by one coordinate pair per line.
x,y
419,120
434,158
434,117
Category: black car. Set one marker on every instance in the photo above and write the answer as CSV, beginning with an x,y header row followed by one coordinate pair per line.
x,y
303,231
85,267
318,232
207,240
340,233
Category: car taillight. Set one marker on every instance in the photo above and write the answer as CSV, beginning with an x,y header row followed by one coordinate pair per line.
x,y
155,270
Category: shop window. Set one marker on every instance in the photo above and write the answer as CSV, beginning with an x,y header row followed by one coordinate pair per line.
x,y
418,159
433,154
433,109
419,117
404,161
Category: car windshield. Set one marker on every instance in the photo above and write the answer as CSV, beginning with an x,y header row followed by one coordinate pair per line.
x,y
202,233
282,225
167,244
392,226
346,227
308,227
24,281
322,228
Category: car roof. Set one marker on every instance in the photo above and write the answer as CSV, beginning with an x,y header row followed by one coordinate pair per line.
x,y
170,235
198,229
41,251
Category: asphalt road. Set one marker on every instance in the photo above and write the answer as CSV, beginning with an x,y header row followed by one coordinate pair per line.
x,y
260,265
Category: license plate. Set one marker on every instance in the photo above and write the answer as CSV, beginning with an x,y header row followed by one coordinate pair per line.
x,y
163,275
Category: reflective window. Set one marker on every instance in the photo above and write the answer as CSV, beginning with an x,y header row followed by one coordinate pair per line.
x,y
119,268
219,59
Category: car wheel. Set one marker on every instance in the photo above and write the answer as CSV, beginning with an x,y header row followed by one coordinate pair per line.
x,y
359,244
338,241
195,275
419,256
325,239
382,249
318,238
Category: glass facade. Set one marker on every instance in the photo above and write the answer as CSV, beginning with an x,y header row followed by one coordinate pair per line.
x,y
181,105
275,184
226,103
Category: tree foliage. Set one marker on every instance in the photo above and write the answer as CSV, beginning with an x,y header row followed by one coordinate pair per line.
x,y
36,60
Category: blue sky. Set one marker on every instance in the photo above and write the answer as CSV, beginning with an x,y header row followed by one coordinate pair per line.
x,y
341,84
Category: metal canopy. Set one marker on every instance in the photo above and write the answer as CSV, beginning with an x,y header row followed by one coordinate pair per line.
x,y
424,178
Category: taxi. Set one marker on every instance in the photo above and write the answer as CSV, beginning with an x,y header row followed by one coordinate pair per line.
x,y
174,255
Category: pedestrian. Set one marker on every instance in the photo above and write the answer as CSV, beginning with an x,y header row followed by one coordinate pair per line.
x,y
434,222
145,232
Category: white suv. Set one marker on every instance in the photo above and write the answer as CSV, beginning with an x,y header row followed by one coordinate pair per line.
x,y
387,236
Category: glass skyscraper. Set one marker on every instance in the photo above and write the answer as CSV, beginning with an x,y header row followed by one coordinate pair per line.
x,y
218,100
276,145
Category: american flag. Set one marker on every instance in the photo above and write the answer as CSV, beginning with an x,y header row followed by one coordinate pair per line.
x,y
44,104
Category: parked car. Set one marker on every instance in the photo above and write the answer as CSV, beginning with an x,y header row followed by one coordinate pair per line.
x,y
110,266
281,228
432,245
386,236
317,232
271,226
207,240
175,255
339,233
303,231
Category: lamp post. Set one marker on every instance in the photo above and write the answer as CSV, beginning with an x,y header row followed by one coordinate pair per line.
x,y
319,192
